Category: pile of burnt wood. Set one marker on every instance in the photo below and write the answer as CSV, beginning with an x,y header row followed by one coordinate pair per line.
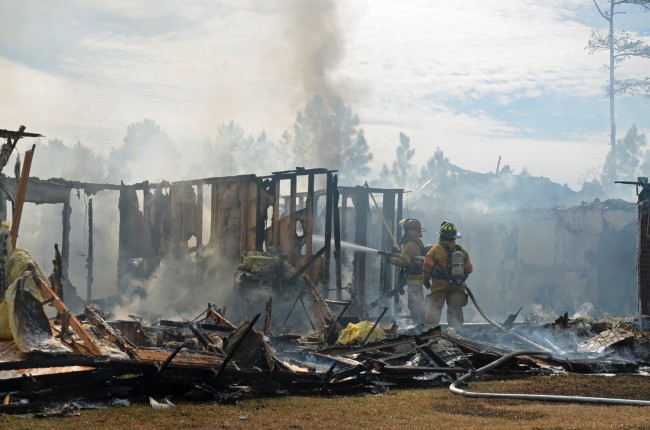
x,y
210,359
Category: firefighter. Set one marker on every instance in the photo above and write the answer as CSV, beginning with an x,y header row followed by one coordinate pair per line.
x,y
411,270
445,268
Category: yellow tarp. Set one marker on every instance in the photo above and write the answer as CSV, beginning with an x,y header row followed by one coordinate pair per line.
x,y
356,333
15,265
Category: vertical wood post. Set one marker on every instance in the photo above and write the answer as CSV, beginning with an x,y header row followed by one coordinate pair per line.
x,y
20,195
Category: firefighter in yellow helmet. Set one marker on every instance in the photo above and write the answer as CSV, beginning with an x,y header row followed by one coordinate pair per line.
x,y
445,268
411,269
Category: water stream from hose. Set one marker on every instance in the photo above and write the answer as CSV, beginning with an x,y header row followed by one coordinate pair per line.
x,y
320,240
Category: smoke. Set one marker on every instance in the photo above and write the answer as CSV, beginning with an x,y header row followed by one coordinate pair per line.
x,y
176,288
315,34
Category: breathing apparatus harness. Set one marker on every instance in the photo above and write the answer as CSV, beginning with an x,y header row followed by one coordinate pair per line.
x,y
455,270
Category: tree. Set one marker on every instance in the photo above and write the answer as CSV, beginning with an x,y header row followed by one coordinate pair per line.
x,y
354,160
627,164
77,163
224,156
621,46
266,156
435,174
402,172
147,153
327,135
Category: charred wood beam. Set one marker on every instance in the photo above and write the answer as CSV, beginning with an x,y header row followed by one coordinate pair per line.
x,y
199,217
398,216
169,359
331,331
300,294
204,340
313,326
342,360
388,208
292,216
286,174
96,318
374,326
361,206
12,139
305,266
275,222
320,301
217,315
202,326
373,190
248,217
91,254
309,223
429,353
234,349
328,234
42,363
56,278
15,135
337,237
78,328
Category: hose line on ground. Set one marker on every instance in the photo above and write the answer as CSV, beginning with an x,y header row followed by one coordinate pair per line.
x,y
499,326
541,397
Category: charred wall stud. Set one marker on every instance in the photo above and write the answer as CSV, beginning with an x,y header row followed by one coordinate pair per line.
x,y
643,249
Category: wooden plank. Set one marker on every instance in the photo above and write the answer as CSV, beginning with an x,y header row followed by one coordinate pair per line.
x,y
292,251
243,217
160,355
61,307
309,224
275,223
20,197
215,218
109,332
199,216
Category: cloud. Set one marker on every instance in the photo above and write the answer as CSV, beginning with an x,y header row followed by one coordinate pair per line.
x,y
446,74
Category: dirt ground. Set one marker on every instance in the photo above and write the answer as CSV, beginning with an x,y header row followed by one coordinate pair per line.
x,y
396,408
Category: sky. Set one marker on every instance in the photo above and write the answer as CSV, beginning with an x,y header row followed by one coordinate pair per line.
x,y
477,79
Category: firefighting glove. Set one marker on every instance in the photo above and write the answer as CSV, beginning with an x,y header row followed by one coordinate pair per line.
x,y
427,284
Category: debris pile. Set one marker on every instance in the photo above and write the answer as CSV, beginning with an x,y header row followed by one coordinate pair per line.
x,y
211,359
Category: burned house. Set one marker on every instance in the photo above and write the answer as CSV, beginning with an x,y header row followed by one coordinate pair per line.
x,y
287,238
209,227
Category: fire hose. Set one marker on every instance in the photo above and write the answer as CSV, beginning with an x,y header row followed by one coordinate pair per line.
x,y
541,397
541,351
499,326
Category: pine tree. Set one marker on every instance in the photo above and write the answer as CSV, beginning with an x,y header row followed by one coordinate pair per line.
x,y
147,153
402,172
327,135
627,164
621,46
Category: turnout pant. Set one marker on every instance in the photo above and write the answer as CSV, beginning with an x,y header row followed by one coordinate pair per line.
x,y
416,301
455,297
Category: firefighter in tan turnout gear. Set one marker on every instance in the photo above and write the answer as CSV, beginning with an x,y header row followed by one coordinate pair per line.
x,y
411,269
445,268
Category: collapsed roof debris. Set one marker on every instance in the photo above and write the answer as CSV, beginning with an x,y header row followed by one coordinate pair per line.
x,y
267,239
